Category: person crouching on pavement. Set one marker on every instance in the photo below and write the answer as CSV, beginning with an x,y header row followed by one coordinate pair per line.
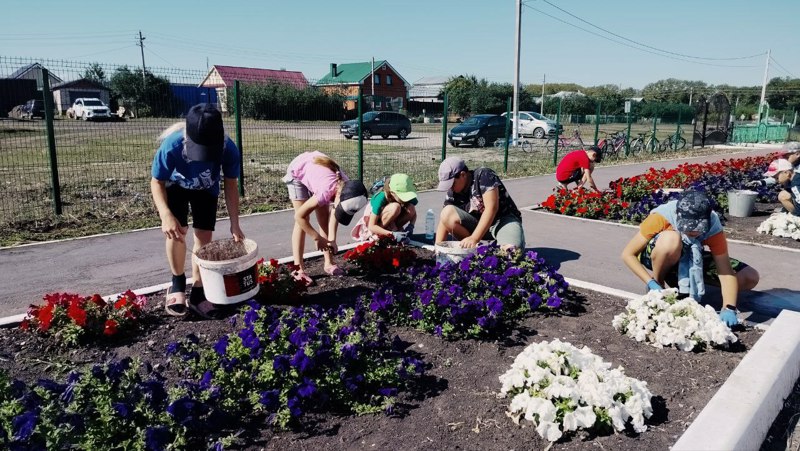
x,y
670,243
186,172
577,167
391,211
477,205
784,173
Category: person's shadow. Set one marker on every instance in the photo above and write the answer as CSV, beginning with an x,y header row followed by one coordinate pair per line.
x,y
555,256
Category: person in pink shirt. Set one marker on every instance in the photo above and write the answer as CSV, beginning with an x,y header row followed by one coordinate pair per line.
x,y
317,184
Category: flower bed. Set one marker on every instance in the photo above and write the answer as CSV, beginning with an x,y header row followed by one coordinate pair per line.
x,y
784,225
630,199
454,404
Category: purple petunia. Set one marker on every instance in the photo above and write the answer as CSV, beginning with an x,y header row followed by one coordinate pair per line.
x,y
221,346
24,425
270,399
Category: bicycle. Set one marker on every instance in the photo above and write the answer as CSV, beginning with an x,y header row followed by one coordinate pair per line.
x,y
673,143
611,145
563,143
523,144
644,141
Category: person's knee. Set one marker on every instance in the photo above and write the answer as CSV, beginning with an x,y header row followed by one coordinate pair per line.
x,y
669,244
784,196
747,278
202,237
449,217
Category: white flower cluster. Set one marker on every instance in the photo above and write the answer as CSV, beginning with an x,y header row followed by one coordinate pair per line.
x,y
781,224
561,388
660,319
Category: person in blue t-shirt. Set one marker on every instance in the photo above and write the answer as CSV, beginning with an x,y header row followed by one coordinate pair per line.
x,y
186,172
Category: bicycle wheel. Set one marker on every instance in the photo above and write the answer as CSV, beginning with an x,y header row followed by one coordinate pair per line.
x,y
664,145
681,143
608,151
636,146
653,144
499,144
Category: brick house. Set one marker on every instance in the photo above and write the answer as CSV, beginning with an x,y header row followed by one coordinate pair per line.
x,y
382,87
222,77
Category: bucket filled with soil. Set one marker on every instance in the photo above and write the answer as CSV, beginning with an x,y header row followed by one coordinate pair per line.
x,y
229,270
452,252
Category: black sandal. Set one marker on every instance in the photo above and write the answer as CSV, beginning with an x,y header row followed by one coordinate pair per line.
x,y
202,307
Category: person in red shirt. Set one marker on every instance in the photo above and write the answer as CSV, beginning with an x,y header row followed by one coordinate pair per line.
x,y
577,166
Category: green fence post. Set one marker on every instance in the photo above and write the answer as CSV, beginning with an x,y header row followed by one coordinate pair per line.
x,y
558,123
51,141
653,140
677,131
508,122
444,129
238,122
596,123
628,136
360,138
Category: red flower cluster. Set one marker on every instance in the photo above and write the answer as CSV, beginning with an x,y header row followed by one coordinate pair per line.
x,y
278,283
383,256
623,192
71,317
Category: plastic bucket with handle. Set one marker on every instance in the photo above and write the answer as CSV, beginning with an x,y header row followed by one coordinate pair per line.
x,y
741,202
451,252
229,270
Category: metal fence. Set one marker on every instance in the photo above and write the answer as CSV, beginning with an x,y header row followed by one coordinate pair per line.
x,y
63,171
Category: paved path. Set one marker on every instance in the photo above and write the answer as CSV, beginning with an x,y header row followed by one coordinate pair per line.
x,y
584,250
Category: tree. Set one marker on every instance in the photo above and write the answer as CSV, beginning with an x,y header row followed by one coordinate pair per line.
x,y
150,96
94,72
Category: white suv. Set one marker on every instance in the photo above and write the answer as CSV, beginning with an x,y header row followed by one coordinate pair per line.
x,y
536,125
89,108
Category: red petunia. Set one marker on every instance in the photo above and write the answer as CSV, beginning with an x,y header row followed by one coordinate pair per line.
x,y
110,327
77,314
98,300
45,317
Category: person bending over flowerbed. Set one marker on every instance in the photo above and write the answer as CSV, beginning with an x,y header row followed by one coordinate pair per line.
x,y
577,167
316,184
391,211
186,172
670,243
477,205
784,173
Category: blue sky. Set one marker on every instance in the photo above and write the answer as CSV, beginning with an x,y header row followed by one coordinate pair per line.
x,y
423,38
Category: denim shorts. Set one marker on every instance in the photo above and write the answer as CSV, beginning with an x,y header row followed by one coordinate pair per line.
x,y
297,191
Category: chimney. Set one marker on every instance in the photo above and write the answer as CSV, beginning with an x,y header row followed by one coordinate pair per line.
x,y
333,69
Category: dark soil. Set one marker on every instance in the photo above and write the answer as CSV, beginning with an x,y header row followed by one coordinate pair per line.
x,y
785,431
744,229
455,405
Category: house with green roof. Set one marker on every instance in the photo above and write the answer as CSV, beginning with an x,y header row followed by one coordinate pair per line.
x,y
382,87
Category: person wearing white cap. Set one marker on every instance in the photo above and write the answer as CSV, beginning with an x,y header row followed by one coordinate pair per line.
x,y
477,206
784,173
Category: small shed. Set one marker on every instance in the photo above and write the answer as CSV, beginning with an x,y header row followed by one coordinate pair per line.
x,y
64,94
223,77
426,94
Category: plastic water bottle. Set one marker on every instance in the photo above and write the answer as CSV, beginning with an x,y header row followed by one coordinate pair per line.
x,y
430,224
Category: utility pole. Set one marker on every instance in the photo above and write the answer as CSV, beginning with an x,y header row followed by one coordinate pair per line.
x,y
691,92
516,71
141,44
764,89
541,105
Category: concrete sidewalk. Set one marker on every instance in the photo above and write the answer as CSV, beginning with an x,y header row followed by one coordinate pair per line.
x,y
584,250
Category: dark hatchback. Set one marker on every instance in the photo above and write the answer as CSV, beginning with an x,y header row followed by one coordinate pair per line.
x,y
378,123
480,130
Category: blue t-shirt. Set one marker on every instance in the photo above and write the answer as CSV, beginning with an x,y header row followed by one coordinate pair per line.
x,y
172,166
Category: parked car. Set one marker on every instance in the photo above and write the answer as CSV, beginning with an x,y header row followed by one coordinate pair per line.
x,y
480,130
87,108
380,123
30,109
534,124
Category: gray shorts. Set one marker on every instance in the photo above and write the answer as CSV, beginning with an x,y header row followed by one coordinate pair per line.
x,y
504,230
297,191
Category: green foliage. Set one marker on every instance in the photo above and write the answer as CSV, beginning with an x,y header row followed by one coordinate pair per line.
x,y
467,96
94,72
148,96
280,101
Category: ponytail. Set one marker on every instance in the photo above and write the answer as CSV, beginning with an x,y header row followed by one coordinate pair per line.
x,y
330,164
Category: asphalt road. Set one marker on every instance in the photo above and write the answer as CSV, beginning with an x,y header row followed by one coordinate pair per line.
x,y
584,250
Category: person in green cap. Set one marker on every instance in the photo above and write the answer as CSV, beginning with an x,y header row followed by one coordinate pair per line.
x,y
391,211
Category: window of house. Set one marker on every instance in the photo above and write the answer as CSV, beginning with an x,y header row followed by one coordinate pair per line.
x,y
388,79
377,79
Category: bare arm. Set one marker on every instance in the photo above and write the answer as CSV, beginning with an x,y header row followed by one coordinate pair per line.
x,y
491,204
376,228
302,217
170,226
727,280
630,256
587,177
232,204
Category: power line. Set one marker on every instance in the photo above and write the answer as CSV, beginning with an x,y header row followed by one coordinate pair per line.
x,y
647,46
150,49
784,69
628,45
103,51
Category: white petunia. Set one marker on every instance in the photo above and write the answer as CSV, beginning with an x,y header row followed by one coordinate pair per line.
x,y
549,431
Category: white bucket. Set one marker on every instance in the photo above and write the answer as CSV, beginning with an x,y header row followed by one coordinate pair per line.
x,y
741,202
451,252
231,280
